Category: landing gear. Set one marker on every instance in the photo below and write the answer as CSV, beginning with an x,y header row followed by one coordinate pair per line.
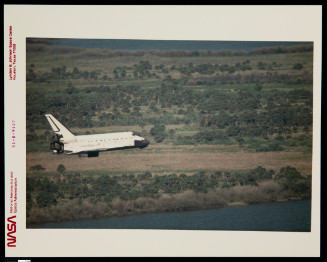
x,y
89,154
93,154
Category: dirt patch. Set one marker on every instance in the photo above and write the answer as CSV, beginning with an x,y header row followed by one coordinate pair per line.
x,y
172,161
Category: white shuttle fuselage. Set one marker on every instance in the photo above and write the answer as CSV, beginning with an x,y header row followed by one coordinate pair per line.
x,y
66,142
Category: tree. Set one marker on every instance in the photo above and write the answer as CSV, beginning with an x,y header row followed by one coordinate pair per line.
x,y
227,176
187,122
261,65
154,108
216,178
260,172
258,87
71,88
297,66
240,141
142,124
159,133
123,73
61,168
306,129
171,132
46,199
157,129
31,76
107,185
223,68
160,137
31,137
290,173
231,70
75,71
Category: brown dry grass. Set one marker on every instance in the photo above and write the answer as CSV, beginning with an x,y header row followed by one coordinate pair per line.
x,y
172,159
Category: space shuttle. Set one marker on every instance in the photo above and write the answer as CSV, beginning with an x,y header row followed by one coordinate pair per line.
x,y
67,143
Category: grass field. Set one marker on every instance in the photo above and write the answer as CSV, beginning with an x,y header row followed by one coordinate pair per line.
x,y
162,159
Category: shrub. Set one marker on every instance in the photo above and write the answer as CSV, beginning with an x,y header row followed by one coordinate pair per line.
x,y
46,199
297,66
37,168
290,173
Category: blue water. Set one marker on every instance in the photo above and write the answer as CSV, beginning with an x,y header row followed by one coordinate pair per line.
x,y
283,216
126,44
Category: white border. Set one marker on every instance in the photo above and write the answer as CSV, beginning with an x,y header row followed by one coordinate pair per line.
x,y
257,23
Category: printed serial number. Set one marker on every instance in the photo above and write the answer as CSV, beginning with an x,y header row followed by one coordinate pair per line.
x,y
13,133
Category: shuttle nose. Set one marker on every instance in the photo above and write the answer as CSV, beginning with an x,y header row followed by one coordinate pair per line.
x,y
142,144
146,143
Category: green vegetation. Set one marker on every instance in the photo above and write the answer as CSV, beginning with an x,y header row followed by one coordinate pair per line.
x,y
245,96
258,101
48,192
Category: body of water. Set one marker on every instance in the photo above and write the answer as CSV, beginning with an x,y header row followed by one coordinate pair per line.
x,y
291,216
126,44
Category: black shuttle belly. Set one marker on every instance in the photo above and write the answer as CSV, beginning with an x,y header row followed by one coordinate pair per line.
x,y
141,144
93,154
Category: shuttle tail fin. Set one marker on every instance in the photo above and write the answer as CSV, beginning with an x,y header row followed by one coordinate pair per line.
x,y
60,129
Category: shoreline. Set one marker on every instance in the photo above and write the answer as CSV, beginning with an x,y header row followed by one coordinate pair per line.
x,y
144,212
